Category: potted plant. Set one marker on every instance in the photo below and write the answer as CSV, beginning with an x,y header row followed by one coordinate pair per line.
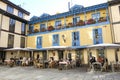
x,y
36,30
50,28
69,25
102,19
58,26
43,30
91,21
80,23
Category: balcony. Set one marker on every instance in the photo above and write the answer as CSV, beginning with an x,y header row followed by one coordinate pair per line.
x,y
70,25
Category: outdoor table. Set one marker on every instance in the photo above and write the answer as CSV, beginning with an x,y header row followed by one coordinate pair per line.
x,y
96,66
7,62
63,64
115,67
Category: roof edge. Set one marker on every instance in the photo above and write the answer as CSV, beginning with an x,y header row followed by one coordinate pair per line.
x,y
16,6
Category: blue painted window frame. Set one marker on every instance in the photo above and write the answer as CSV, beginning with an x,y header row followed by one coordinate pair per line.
x,y
10,9
75,20
55,40
42,26
97,36
75,38
96,16
39,42
57,23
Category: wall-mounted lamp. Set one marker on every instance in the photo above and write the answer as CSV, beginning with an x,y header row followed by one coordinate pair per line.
x,y
63,37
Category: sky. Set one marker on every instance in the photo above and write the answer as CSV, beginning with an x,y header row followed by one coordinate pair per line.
x,y
38,7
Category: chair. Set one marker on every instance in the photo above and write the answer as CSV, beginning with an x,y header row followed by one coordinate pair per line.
x,y
51,64
104,67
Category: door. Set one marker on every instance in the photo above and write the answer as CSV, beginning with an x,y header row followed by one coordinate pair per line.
x,y
60,55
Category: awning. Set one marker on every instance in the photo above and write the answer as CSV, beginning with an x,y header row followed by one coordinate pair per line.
x,y
55,47
14,49
21,49
104,45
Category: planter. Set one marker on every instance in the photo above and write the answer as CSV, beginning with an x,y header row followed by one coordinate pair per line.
x,y
36,30
43,30
80,23
50,28
102,19
91,21
69,25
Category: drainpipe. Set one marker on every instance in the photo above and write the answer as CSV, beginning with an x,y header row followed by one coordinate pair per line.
x,y
111,24
1,23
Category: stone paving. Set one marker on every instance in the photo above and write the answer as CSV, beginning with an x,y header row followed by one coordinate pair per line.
x,y
31,73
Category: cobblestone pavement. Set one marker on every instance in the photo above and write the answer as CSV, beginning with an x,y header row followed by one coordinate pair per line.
x,y
31,73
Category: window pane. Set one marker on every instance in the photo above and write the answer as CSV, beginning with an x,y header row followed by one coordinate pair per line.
x,y
42,26
22,42
11,25
10,9
96,16
55,40
10,41
75,39
20,14
39,42
31,28
75,20
23,28
97,33
57,23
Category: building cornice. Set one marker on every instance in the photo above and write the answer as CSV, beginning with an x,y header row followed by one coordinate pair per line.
x,y
113,2
70,13
16,6
12,16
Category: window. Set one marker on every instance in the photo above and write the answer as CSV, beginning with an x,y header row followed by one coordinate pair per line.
x,y
20,14
22,45
12,25
96,16
60,55
44,55
97,36
10,41
39,42
23,28
57,24
10,9
31,29
75,20
42,27
75,39
55,40
101,53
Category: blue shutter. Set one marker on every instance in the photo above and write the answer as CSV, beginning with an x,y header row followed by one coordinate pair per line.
x,y
39,42
100,35
72,38
94,39
78,39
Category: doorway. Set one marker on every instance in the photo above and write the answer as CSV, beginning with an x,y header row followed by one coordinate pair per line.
x,y
60,55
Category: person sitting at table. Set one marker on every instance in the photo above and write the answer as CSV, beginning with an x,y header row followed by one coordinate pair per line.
x,y
105,64
100,60
92,60
51,62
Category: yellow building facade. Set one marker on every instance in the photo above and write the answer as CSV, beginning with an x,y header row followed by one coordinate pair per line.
x,y
67,35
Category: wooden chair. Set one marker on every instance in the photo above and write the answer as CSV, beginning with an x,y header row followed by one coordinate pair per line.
x,y
51,64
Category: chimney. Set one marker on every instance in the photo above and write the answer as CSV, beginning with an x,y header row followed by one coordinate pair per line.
x,y
69,6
